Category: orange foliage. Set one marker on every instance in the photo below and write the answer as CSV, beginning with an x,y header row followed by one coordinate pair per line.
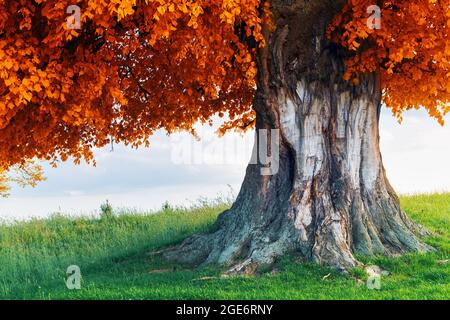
x,y
27,174
137,66
411,51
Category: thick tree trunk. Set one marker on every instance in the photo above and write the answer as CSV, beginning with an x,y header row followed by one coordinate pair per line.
x,y
330,197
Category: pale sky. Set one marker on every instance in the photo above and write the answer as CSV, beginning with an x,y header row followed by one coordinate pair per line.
x,y
180,170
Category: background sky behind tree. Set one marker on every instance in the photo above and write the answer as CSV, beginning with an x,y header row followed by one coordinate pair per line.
x,y
416,156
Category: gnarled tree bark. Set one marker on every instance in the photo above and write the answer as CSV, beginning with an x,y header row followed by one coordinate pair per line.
x,y
330,197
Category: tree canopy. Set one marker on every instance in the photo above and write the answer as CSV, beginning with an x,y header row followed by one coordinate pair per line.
x,y
27,174
136,66
411,50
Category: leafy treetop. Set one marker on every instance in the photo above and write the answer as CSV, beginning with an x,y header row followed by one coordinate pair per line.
x,y
411,51
136,66
133,67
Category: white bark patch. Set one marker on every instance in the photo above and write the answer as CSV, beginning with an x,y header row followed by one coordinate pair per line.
x,y
311,146
302,125
342,115
288,119
355,134
371,162
301,91
363,156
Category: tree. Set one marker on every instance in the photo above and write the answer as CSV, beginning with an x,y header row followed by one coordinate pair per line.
x,y
75,77
27,174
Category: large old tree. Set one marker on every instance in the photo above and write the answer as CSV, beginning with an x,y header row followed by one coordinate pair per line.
x,y
316,70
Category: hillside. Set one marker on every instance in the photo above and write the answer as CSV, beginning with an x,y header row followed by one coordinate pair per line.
x,y
115,256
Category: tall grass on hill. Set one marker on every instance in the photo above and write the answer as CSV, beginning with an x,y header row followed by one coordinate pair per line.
x,y
113,255
39,252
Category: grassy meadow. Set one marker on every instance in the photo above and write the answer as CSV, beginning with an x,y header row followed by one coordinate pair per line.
x,y
114,255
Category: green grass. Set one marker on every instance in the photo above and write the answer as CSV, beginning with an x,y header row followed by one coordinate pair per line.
x,y
113,254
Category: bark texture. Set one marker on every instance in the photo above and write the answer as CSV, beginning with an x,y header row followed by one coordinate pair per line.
x,y
330,197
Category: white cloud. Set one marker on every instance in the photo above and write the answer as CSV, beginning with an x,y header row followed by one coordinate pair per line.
x,y
416,153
